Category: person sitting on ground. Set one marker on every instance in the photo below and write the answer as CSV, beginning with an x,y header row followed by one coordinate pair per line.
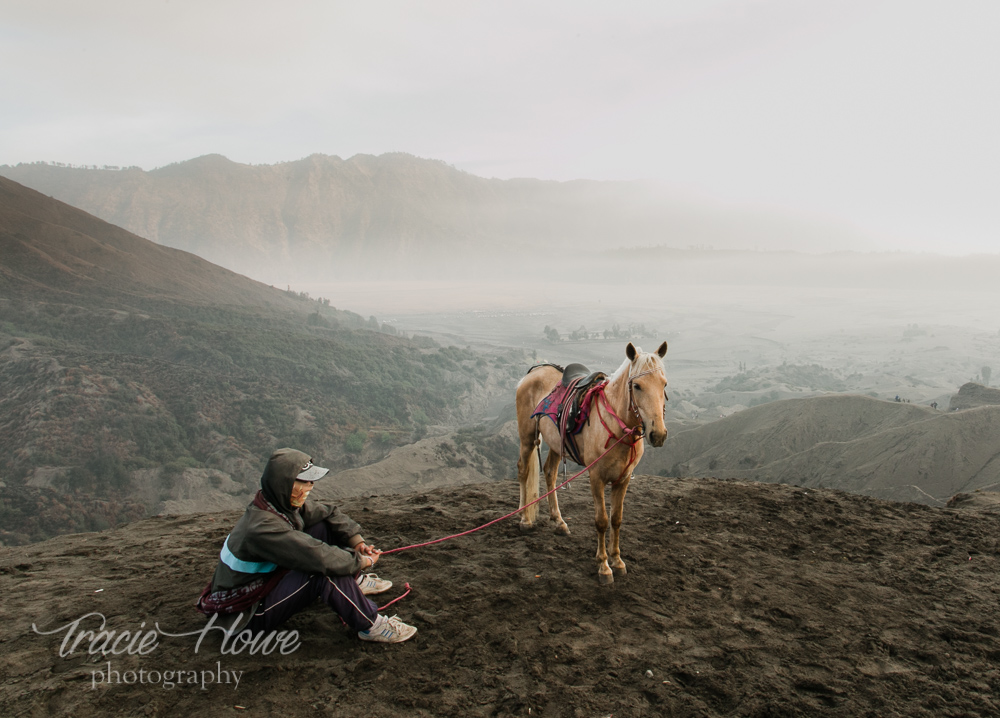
x,y
287,550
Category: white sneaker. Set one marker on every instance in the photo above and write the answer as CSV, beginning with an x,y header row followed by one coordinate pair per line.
x,y
371,584
388,630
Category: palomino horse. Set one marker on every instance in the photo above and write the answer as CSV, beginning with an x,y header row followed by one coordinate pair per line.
x,y
632,406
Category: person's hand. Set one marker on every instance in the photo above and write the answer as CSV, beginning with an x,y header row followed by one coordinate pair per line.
x,y
372,558
367,550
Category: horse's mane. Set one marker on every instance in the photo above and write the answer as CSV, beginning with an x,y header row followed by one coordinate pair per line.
x,y
644,362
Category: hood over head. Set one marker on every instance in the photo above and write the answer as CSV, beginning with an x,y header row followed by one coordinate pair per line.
x,y
279,476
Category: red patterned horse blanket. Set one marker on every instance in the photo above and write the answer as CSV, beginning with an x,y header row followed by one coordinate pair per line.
x,y
569,408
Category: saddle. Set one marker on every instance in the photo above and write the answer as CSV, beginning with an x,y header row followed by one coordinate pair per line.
x,y
576,371
568,405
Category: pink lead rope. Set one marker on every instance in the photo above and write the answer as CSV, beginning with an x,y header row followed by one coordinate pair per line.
x,y
626,433
512,513
399,598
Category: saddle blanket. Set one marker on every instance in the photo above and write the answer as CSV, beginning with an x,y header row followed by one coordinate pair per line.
x,y
555,405
551,405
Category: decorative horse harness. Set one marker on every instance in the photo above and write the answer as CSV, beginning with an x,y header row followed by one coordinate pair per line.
x,y
569,406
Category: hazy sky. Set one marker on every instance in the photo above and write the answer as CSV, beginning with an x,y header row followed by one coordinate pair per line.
x,y
883,115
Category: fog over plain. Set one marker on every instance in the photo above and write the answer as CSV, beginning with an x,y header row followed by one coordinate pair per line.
x,y
868,125
878,115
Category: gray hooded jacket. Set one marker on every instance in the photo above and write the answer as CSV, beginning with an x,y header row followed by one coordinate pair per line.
x,y
264,540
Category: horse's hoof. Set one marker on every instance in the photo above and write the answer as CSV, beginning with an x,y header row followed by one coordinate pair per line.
x,y
562,529
620,570
606,579
525,528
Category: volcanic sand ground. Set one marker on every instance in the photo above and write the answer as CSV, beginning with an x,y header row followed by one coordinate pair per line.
x,y
741,599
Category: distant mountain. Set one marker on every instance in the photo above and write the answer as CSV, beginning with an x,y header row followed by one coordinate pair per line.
x,y
885,449
134,376
323,215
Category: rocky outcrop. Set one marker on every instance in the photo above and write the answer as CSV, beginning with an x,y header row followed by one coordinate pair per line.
x,y
971,395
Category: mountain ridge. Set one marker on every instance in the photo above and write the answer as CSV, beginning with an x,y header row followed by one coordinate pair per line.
x,y
52,246
393,209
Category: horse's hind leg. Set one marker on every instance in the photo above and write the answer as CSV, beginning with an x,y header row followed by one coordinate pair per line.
x,y
551,477
617,509
527,477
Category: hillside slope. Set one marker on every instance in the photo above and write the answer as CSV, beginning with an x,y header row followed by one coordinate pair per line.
x,y
52,251
133,375
891,450
741,599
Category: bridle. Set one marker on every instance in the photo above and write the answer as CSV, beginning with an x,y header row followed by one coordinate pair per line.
x,y
633,407
630,435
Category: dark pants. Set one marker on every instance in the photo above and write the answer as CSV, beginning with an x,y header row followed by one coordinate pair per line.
x,y
297,590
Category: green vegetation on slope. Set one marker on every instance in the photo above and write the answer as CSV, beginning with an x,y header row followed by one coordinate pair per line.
x,y
132,374
99,394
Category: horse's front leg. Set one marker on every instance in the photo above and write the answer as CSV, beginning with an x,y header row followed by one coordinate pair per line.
x,y
551,476
604,574
617,509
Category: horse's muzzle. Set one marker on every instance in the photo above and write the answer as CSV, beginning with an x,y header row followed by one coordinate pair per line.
x,y
656,438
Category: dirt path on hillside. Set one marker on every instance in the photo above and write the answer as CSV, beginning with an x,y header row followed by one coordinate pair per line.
x,y
742,599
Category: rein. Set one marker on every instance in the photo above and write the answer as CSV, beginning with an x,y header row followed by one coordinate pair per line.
x,y
512,513
631,436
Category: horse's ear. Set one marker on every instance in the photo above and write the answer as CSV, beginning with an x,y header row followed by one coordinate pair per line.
x,y
662,351
630,352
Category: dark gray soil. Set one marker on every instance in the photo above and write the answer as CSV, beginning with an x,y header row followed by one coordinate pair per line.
x,y
741,599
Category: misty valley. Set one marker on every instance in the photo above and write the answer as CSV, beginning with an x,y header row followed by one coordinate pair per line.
x,y
827,487
141,380
500,360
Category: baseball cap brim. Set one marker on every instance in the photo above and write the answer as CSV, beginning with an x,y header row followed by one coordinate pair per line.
x,y
312,473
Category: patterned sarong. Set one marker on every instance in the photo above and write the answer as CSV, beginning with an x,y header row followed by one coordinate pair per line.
x,y
240,598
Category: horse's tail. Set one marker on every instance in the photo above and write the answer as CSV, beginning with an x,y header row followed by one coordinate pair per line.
x,y
531,485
